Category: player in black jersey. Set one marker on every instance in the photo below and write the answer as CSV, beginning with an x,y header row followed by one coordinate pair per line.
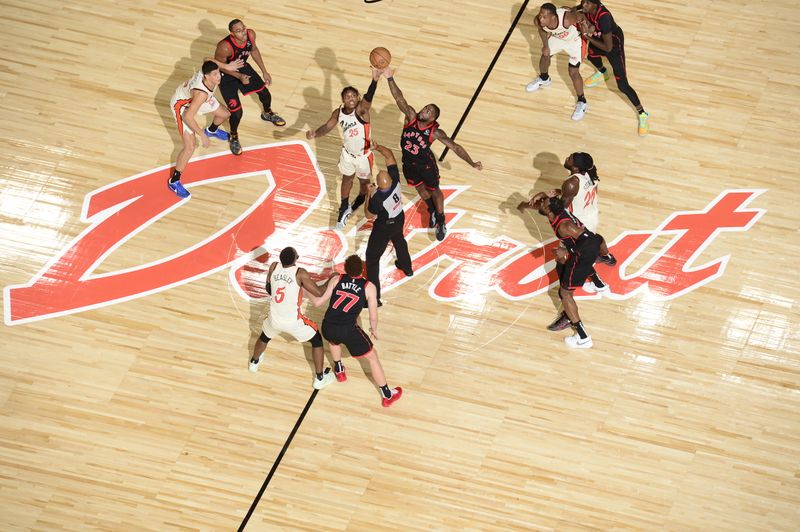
x,y
575,259
241,44
349,293
419,164
606,39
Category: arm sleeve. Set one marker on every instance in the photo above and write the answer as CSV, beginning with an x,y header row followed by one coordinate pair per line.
x,y
394,173
371,91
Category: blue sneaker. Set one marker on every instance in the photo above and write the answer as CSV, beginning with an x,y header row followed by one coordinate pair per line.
x,y
178,189
220,133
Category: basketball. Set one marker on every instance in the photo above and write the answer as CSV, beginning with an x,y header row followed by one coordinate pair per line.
x,y
380,57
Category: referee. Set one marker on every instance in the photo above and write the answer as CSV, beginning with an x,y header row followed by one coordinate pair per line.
x,y
385,208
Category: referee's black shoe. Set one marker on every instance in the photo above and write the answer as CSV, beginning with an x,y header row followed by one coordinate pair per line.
x,y
409,272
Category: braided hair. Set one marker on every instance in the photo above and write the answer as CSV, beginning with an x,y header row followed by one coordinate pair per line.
x,y
585,165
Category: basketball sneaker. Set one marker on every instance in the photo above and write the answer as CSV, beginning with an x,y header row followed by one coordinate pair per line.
x,y
591,288
178,189
343,217
272,117
341,376
409,272
236,147
254,363
326,380
560,323
441,232
538,83
580,110
644,124
596,79
220,134
607,259
397,393
577,342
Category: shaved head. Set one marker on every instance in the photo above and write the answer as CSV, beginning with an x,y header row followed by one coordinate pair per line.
x,y
384,180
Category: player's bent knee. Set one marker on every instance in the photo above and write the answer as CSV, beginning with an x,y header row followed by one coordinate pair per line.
x,y
316,341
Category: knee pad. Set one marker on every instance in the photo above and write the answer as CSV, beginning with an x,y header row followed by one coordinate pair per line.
x,y
316,341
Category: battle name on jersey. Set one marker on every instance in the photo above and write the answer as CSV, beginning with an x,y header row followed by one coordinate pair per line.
x,y
351,286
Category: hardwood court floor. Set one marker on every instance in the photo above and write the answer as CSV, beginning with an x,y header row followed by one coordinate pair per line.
x,y
141,414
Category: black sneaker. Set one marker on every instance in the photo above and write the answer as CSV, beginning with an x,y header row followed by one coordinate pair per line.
x,y
441,232
272,117
236,148
560,323
607,259
409,272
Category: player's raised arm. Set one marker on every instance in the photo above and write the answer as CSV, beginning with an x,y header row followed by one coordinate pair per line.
x,y
397,94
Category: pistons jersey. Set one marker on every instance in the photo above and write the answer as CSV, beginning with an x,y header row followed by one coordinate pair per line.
x,y
347,300
585,205
560,32
287,295
416,142
183,94
355,133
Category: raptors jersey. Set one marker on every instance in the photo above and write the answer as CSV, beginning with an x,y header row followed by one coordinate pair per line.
x,y
239,51
562,33
355,133
416,142
347,300
183,93
584,205
287,295
572,244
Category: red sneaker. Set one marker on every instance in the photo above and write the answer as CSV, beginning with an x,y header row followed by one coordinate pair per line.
x,y
341,376
397,393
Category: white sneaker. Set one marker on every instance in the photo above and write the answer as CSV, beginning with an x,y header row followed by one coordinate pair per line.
x,y
327,378
575,341
254,365
344,217
591,288
580,110
538,83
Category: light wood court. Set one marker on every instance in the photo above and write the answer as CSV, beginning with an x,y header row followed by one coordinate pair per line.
x,y
125,398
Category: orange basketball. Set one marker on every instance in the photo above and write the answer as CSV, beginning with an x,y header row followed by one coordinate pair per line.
x,y
380,57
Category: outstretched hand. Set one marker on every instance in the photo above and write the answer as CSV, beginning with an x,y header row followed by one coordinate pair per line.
x,y
387,72
477,165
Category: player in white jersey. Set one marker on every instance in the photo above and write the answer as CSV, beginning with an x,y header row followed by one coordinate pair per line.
x,y
558,29
285,284
192,98
356,157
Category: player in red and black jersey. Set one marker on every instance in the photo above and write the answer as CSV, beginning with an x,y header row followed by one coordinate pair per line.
x,y
241,45
575,259
605,39
349,293
419,163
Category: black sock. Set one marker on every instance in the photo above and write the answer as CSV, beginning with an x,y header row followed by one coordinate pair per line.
x,y
339,367
642,112
344,204
582,98
213,127
387,393
431,206
440,218
358,202
544,76
176,176
597,281
580,330
319,376
602,70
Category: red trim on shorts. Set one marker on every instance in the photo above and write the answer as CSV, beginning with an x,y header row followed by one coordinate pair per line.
x,y
366,140
257,90
177,108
